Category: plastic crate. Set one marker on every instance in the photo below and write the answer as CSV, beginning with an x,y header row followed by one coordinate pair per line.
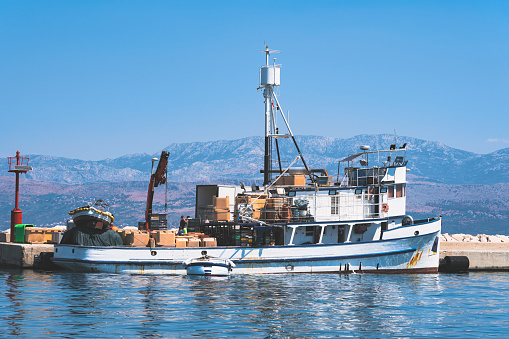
x,y
19,232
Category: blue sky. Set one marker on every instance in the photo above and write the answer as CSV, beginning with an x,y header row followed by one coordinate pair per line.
x,y
101,79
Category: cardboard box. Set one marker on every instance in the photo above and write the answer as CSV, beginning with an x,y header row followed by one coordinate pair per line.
x,y
221,203
292,180
164,238
296,180
141,239
208,242
221,215
193,242
181,242
34,235
136,238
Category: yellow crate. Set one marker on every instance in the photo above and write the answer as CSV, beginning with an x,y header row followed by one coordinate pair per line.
x,y
34,235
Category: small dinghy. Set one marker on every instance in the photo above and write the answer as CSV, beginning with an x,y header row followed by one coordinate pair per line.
x,y
208,266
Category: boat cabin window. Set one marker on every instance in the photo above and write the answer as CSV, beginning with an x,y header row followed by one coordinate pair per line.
x,y
400,190
390,191
334,205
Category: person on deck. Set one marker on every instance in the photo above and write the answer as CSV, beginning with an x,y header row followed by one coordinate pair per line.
x,y
187,223
183,225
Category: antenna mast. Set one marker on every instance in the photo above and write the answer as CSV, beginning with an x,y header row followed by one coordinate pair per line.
x,y
270,78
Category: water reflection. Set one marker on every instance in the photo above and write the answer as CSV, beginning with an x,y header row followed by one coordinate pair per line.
x,y
270,306
16,313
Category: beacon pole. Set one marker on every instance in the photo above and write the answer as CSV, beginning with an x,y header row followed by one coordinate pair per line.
x,y
17,165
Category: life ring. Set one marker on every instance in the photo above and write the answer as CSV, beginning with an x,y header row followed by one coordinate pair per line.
x,y
385,208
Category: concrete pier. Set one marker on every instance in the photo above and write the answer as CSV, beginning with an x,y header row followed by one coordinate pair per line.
x,y
482,256
489,253
23,255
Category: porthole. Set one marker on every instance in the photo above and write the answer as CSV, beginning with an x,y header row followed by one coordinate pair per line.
x,y
416,233
153,253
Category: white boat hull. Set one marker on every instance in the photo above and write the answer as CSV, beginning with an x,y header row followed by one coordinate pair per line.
x,y
208,269
412,252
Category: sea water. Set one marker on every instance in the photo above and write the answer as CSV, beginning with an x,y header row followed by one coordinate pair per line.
x,y
95,305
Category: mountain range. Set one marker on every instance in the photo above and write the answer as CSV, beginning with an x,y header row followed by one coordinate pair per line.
x,y
243,158
481,181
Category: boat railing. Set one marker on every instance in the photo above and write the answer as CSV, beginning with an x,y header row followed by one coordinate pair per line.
x,y
274,210
364,176
354,204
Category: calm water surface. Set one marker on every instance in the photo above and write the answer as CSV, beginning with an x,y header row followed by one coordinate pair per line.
x,y
84,305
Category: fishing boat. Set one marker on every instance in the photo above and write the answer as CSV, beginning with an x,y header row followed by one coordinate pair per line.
x,y
301,220
90,215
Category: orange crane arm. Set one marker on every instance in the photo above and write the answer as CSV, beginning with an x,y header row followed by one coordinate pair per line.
x,y
156,179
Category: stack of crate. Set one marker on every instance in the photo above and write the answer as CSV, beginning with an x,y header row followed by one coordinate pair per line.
x,y
221,208
191,241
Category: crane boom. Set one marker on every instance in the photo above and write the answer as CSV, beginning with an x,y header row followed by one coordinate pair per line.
x,y
156,179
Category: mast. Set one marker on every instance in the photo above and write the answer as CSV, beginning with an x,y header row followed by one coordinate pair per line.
x,y
269,78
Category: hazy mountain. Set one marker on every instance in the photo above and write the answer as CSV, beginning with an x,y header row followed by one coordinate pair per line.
x,y
242,159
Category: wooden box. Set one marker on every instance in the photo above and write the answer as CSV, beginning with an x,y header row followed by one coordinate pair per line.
x,y
193,242
222,215
136,238
141,239
292,180
221,203
181,242
164,238
296,180
208,242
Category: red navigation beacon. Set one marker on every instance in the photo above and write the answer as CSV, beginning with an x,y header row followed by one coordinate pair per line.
x,y
17,165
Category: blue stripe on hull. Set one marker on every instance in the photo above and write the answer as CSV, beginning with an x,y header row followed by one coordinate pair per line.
x,y
238,261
